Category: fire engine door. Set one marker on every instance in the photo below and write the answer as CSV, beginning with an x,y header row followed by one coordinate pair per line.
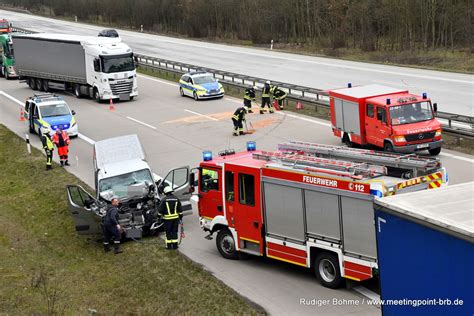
x,y
243,207
376,128
210,192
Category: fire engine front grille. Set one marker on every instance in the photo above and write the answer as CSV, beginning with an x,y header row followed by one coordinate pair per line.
x,y
121,88
419,136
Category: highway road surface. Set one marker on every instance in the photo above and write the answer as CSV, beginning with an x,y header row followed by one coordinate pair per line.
x,y
453,92
174,131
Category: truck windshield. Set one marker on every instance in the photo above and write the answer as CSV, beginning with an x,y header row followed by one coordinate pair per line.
x,y
59,109
204,79
120,185
411,113
4,25
117,63
8,50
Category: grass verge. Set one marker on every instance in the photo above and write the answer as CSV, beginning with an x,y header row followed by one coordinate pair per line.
x,y
451,141
46,268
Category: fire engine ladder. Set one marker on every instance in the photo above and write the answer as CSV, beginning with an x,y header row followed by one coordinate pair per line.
x,y
349,169
411,162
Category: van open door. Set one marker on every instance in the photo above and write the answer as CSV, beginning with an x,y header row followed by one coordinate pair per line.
x,y
86,221
181,181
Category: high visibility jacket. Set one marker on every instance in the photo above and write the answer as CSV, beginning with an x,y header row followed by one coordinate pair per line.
x,y
61,140
266,91
278,93
170,208
249,94
239,114
47,143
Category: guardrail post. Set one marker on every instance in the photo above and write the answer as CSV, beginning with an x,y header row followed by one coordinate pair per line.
x,y
75,18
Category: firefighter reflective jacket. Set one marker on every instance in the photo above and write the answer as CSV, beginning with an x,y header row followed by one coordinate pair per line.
x,y
278,94
239,114
266,91
249,94
170,208
47,143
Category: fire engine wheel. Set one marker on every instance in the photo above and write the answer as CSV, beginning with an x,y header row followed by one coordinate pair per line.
x,y
388,147
327,270
226,245
346,140
434,151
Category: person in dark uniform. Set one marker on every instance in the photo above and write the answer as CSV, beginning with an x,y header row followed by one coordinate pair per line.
x,y
249,96
279,95
266,98
172,212
111,227
48,146
237,119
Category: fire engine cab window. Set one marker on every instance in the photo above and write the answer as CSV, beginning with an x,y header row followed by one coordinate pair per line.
x,y
370,110
209,180
381,115
229,186
246,189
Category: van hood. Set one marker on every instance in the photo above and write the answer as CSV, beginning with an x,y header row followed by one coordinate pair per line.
x,y
414,128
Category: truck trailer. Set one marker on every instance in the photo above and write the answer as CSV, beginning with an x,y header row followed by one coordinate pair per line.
x,y
306,204
389,118
425,246
98,67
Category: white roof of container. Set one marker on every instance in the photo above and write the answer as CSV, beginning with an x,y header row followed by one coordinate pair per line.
x,y
118,149
74,38
449,207
368,91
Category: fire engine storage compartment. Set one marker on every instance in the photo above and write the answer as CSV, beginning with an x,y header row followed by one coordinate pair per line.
x,y
425,243
348,106
296,211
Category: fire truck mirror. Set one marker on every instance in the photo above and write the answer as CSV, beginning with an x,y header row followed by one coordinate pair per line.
x,y
435,108
192,179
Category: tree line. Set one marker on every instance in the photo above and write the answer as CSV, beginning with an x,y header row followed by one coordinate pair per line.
x,y
369,25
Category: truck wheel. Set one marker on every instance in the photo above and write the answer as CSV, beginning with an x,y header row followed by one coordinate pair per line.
x,y
97,96
195,96
32,83
2,71
388,147
181,92
326,267
77,91
347,141
434,151
5,73
226,245
45,86
39,84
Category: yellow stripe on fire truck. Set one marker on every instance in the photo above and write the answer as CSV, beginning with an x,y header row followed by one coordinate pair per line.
x,y
434,181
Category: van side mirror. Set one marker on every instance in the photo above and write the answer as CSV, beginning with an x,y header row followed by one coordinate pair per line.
x,y
73,112
96,65
435,108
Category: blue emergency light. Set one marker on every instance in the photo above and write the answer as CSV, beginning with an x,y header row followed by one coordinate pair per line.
x,y
377,193
349,85
425,95
207,155
251,146
388,101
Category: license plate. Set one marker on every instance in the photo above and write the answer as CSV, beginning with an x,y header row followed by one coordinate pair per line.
x,y
422,146
124,97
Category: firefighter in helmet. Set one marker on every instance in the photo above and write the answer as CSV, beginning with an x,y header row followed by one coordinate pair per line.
x,y
279,95
47,146
266,98
249,96
237,119
172,213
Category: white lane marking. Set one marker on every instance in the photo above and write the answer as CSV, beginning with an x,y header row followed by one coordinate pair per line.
x,y
206,116
367,293
305,119
140,122
81,136
457,157
157,80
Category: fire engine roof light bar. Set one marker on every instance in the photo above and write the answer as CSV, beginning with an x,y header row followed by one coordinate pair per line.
x,y
251,146
207,155
388,101
425,95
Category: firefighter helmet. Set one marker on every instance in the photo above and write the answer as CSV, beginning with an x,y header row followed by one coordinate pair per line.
x,y
167,189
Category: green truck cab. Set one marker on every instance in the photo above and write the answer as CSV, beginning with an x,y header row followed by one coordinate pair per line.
x,y
7,60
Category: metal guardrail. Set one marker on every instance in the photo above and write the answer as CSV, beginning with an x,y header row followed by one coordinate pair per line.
x,y
453,123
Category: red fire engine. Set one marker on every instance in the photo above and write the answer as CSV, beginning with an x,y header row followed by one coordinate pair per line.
x,y
306,204
389,118
5,27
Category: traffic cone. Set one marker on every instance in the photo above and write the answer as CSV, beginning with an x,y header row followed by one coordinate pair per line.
x,y
22,115
299,106
111,105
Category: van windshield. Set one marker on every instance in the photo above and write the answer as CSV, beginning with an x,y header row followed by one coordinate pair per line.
x,y
411,113
59,109
118,63
127,185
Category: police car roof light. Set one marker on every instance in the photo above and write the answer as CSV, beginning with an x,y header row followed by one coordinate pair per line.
x,y
207,155
251,146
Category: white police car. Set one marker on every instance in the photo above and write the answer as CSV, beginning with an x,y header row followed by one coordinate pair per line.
x,y
48,110
200,85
